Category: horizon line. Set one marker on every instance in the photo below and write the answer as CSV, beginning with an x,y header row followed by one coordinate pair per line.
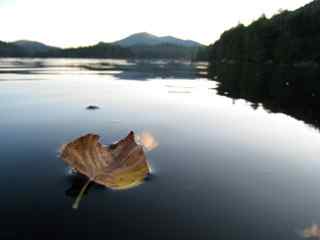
x,y
97,42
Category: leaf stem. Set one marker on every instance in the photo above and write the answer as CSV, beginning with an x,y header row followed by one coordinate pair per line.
x,y
80,195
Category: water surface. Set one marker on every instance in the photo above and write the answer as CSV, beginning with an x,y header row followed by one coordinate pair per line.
x,y
227,166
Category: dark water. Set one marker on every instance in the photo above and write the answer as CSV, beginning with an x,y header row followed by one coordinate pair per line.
x,y
231,162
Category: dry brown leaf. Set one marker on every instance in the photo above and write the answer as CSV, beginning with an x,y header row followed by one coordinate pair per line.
x,y
312,231
119,166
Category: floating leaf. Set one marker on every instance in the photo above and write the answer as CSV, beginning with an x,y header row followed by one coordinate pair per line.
x,y
312,231
119,166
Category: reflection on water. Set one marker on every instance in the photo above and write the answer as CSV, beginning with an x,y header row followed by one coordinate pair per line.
x,y
147,140
226,167
279,89
121,69
312,232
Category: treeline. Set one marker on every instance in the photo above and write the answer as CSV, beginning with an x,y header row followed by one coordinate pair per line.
x,y
165,51
108,50
100,50
11,50
288,37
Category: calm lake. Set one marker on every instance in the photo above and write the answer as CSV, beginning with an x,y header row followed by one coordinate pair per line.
x,y
238,154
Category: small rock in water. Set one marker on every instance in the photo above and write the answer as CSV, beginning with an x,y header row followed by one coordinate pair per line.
x,y
92,107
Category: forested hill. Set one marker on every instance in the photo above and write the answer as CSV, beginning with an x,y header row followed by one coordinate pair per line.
x,y
288,37
9,50
141,45
107,50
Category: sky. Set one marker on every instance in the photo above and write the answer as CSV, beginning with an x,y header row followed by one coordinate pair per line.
x,y
67,23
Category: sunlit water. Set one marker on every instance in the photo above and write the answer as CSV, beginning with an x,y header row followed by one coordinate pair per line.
x,y
222,170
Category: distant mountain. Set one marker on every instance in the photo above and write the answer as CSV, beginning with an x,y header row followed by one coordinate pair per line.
x,y
10,50
163,51
140,45
33,47
289,37
100,50
151,40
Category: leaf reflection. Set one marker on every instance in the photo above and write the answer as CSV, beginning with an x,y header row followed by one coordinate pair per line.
x,y
312,231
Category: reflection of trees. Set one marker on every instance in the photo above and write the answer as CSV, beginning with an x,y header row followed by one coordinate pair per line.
x,y
293,91
143,70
